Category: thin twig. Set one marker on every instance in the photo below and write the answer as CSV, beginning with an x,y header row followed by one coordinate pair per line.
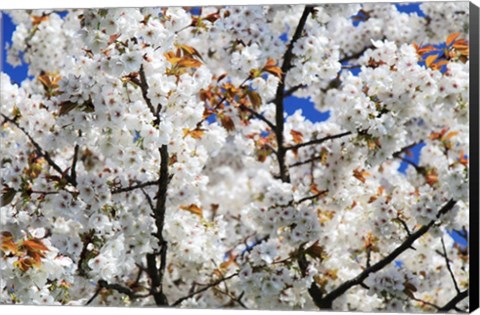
x,y
318,141
453,302
447,262
325,302
133,187
41,152
317,195
215,283
102,284
258,115
279,95
73,171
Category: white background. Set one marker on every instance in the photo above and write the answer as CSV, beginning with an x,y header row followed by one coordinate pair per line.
x,y
54,310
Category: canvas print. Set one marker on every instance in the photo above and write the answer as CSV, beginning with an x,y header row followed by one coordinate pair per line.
x,y
284,157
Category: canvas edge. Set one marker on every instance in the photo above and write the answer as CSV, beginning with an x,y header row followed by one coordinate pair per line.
x,y
474,158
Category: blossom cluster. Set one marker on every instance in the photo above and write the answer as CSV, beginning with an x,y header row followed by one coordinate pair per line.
x,y
149,159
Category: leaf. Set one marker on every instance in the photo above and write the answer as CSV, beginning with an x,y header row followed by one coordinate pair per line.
x,y
439,64
7,244
426,49
227,122
221,77
34,245
297,136
255,98
172,58
431,176
66,107
189,50
24,264
36,20
7,196
409,293
276,71
270,67
461,45
451,38
49,80
113,38
360,175
193,208
314,189
463,159
316,251
195,134
430,59
410,286
189,63
450,135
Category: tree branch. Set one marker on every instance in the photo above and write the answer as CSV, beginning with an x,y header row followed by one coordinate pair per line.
x,y
41,152
453,302
73,171
143,84
279,96
326,301
447,262
318,141
320,194
356,55
102,284
133,187
258,115
156,274
177,302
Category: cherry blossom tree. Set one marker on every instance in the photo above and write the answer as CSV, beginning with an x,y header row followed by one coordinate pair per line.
x,y
149,159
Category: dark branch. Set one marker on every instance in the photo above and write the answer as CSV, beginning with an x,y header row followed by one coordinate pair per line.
x,y
102,284
314,290
133,187
40,151
149,200
425,302
144,87
312,159
279,96
453,302
73,171
318,141
320,194
156,274
292,90
258,116
356,55
177,302
404,224
327,300
447,262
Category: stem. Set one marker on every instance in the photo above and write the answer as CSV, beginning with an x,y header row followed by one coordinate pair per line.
x,y
318,141
447,262
133,187
326,301
279,96
177,302
453,302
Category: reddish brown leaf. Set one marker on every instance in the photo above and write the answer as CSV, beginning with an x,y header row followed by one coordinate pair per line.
x,y
430,59
451,38
193,208
297,136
